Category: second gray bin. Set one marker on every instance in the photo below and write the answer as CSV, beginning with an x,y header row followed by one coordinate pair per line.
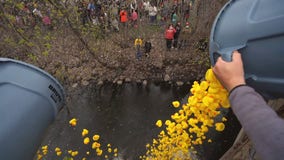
x,y
29,101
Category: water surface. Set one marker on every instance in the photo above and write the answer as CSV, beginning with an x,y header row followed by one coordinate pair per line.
x,y
125,117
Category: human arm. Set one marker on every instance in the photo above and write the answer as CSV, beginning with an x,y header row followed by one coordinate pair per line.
x,y
260,122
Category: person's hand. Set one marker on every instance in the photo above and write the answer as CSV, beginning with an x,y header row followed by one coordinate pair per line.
x,y
230,74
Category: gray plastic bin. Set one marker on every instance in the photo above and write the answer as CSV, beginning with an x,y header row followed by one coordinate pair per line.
x,y
29,101
256,29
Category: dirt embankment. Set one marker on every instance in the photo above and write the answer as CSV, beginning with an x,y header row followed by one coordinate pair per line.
x,y
73,65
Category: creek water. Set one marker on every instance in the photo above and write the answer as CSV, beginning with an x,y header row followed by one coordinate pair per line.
x,y
125,116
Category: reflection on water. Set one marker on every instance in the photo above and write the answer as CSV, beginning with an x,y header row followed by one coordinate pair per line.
x,y
125,117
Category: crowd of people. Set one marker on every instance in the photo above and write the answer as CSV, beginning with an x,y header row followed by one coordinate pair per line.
x,y
138,43
116,15
130,13
177,36
27,14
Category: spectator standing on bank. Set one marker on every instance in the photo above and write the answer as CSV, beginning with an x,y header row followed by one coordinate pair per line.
x,y
82,9
184,36
153,13
133,6
90,9
174,18
169,35
164,13
123,17
140,9
147,48
176,35
37,15
146,5
138,43
47,22
114,10
114,24
134,18
186,12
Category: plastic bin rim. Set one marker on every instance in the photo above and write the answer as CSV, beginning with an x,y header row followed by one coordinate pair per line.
x,y
38,70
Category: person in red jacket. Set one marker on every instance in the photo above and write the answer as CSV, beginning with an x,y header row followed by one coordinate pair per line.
x,y
123,17
169,35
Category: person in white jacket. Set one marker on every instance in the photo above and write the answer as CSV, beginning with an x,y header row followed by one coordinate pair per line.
x,y
146,5
153,13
